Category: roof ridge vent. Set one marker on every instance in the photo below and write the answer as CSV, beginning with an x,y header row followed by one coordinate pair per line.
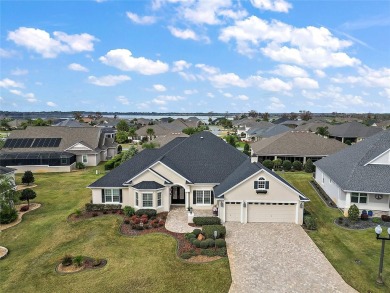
x,y
201,137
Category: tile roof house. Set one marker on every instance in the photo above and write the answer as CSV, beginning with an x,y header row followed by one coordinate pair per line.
x,y
352,131
201,171
295,146
56,149
359,175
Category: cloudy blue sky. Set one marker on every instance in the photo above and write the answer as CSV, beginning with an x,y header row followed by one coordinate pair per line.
x,y
195,55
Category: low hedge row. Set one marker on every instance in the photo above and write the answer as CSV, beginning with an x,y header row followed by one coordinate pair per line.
x,y
200,221
90,207
310,222
208,231
149,212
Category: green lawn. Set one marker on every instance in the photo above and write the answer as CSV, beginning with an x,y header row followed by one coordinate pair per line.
x,y
135,264
341,246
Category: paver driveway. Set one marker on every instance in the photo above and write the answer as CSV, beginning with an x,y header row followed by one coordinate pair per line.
x,y
278,257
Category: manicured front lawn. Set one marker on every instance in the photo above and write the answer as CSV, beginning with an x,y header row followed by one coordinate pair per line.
x,y
145,263
354,253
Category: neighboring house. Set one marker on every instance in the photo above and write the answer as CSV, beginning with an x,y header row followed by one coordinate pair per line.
x,y
257,133
292,123
165,139
352,131
201,171
311,126
384,124
162,129
359,175
295,146
70,123
244,128
56,149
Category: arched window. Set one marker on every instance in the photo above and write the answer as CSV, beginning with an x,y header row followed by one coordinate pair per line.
x,y
261,183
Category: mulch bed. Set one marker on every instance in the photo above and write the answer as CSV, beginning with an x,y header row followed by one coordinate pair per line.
x,y
88,264
87,215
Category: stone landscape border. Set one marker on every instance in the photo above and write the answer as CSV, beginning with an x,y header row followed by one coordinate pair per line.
x,y
33,206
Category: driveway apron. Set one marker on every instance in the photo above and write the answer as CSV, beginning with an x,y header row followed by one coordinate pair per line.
x,y
278,257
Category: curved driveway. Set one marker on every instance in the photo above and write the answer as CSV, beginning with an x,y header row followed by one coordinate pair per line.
x,y
278,257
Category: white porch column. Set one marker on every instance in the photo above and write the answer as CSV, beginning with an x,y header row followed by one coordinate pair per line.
x,y
297,213
187,199
347,203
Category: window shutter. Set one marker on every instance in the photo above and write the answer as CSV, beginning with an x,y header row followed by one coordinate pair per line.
x,y
103,197
212,197
266,184
194,197
256,185
120,196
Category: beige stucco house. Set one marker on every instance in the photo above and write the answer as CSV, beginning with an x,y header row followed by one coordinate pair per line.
x,y
201,172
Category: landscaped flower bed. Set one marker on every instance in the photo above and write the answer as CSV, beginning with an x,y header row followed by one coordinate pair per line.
x,y
70,264
361,224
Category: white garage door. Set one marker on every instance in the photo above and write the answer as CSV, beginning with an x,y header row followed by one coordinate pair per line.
x,y
233,211
271,212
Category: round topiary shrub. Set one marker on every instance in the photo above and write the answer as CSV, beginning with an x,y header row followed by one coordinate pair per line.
x,y
297,165
220,243
287,165
196,242
196,232
67,260
211,242
204,244
268,164
192,240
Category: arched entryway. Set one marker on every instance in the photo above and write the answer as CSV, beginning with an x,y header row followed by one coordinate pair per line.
x,y
177,193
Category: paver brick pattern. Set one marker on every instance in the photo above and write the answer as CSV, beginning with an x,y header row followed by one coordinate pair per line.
x,y
278,257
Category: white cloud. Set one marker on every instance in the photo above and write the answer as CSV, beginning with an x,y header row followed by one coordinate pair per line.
x,y
367,77
228,95
9,83
205,11
108,80
123,60
187,76
51,104
18,72
185,34
42,43
146,20
276,104
77,67
289,71
272,5
242,97
320,73
159,87
163,100
210,95
227,80
385,93
123,100
207,69
30,97
180,65
7,53
305,83
233,14
190,92
270,84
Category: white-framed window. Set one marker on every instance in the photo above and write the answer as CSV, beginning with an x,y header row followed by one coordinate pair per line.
x,y
147,200
136,199
359,197
85,159
64,161
261,183
159,199
112,195
203,197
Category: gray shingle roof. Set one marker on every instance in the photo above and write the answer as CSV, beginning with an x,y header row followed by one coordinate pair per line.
x,y
245,170
347,167
148,185
200,158
6,170
268,131
297,143
353,129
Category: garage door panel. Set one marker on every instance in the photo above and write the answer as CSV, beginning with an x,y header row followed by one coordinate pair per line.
x,y
233,211
261,212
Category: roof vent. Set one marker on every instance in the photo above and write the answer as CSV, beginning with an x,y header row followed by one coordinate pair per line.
x,y
201,137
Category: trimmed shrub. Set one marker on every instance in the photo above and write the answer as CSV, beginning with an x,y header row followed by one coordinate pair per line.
x,y
90,207
129,211
208,231
287,165
208,252
376,220
268,164
221,251
8,213
277,164
78,260
149,212
204,244
211,242
220,243
309,166
310,222
196,232
190,235
186,255
340,220
297,165
80,165
200,221
24,208
28,177
353,213
196,243
67,260
192,240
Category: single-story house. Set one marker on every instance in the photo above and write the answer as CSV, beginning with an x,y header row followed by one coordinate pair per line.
x,y
56,149
359,175
200,172
295,146
258,133
352,131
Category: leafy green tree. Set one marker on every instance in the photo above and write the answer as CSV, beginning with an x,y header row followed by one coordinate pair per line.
x,y
8,213
309,166
150,145
4,124
132,132
323,131
287,165
297,165
122,126
127,155
306,115
28,178
277,163
122,137
40,122
231,139
253,114
353,213
27,194
247,149
265,116
150,133
268,164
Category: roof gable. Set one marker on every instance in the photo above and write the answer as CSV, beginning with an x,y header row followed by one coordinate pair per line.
x,y
80,146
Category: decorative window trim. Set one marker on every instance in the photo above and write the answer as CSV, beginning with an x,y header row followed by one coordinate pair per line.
x,y
261,185
360,198
145,199
112,195
203,197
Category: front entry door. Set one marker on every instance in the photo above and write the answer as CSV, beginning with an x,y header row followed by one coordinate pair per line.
x,y
177,195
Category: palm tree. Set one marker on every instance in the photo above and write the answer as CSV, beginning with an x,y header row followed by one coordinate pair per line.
x,y
150,132
323,131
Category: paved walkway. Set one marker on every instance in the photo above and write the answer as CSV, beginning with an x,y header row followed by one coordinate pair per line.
x,y
278,257
177,220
